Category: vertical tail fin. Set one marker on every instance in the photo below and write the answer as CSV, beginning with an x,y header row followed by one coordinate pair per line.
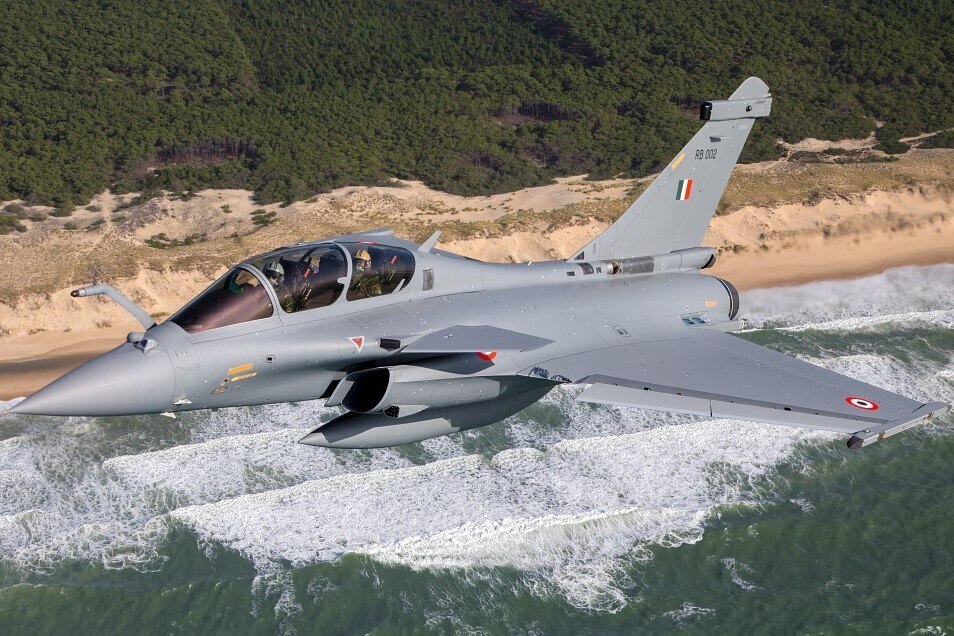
x,y
674,212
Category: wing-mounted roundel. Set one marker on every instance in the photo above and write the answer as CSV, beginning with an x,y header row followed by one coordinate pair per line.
x,y
861,403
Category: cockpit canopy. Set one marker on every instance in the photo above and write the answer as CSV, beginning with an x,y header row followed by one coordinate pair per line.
x,y
237,297
305,278
302,278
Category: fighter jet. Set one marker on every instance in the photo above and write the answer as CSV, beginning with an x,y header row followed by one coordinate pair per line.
x,y
415,342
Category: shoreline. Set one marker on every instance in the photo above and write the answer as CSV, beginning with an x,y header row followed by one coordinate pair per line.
x,y
27,363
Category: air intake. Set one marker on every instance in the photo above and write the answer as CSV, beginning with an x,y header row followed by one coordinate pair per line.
x,y
733,298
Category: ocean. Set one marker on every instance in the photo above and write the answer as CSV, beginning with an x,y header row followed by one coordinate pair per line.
x,y
566,518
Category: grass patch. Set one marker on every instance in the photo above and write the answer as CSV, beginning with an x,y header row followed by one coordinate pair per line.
x,y
17,210
63,211
162,242
261,218
10,223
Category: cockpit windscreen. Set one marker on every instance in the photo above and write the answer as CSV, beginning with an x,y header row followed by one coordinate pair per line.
x,y
237,297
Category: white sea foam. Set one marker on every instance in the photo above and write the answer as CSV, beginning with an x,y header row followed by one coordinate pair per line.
x,y
890,374
930,630
568,516
942,318
736,571
277,590
13,455
58,505
20,490
237,464
804,504
59,501
688,613
209,425
895,292
6,404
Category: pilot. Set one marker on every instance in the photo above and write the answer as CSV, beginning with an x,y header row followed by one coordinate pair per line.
x,y
362,260
305,280
275,274
366,280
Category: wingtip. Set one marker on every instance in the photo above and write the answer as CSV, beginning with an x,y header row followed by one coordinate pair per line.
x,y
920,415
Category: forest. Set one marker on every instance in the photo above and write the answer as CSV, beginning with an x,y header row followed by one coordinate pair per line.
x,y
471,96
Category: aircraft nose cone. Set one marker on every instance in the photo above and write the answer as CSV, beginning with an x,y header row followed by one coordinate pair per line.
x,y
124,381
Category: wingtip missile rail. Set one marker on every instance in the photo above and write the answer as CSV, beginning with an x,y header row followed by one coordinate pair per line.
x,y
925,413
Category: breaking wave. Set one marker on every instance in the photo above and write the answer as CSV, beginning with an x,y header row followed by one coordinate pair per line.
x,y
566,515
896,295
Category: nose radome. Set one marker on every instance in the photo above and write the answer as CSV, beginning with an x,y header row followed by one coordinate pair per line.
x,y
124,381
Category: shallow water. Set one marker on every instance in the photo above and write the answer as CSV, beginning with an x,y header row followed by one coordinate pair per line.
x,y
566,518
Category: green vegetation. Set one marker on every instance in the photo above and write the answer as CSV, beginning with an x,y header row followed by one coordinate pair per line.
x,y
941,140
472,96
261,218
888,139
9,223
17,210
162,242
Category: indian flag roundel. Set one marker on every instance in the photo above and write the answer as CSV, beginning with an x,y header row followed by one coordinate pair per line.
x,y
684,189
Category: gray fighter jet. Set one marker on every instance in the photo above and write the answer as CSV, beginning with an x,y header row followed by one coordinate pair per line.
x,y
414,342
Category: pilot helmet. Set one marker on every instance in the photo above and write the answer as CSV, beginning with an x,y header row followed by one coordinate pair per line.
x,y
275,273
362,260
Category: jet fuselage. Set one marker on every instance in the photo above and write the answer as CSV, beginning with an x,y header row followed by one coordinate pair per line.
x,y
302,355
